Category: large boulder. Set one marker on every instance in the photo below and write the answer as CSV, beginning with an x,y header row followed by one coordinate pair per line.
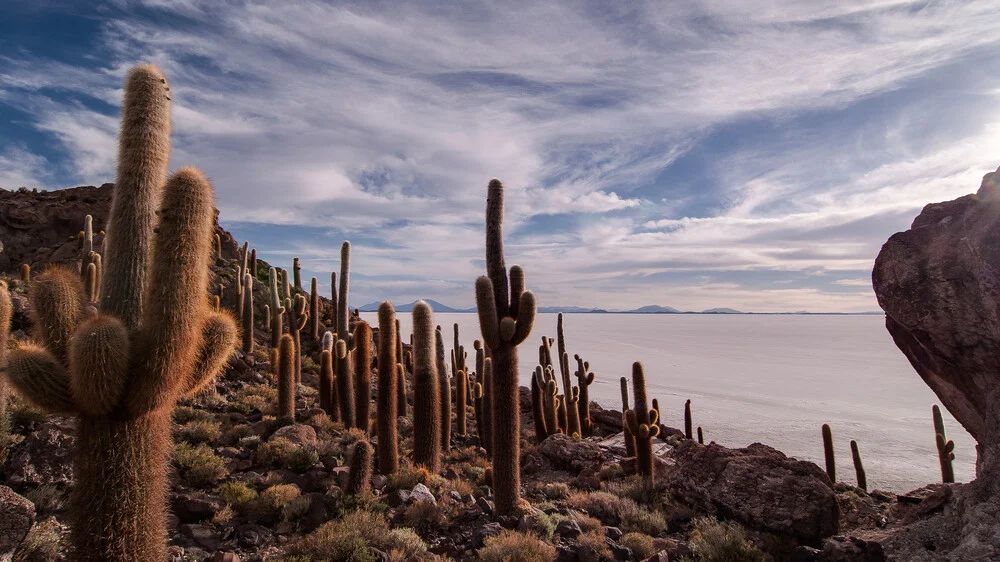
x,y
758,486
17,515
567,453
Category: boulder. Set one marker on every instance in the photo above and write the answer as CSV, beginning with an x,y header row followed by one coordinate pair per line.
x,y
758,486
17,515
299,434
939,285
571,454
44,457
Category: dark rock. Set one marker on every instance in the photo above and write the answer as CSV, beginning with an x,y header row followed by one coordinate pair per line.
x,y
485,505
613,533
568,529
195,507
397,498
660,556
44,457
844,549
571,454
620,552
252,536
316,514
758,486
202,535
17,515
806,554
482,533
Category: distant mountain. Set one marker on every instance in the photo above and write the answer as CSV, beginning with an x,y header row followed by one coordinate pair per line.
x,y
568,310
408,307
654,309
721,311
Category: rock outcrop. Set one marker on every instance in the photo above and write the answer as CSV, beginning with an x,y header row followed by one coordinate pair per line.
x,y
939,284
17,515
758,486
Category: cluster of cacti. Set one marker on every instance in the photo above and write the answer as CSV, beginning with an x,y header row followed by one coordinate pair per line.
x,y
445,391
506,316
643,423
538,405
154,340
460,376
362,361
549,407
945,447
387,407
426,391
483,396
831,464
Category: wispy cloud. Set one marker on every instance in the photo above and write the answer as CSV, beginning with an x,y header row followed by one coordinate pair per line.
x,y
652,154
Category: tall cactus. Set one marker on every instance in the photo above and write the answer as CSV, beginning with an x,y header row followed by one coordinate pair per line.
x,y
362,359
277,310
286,377
359,480
445,392
388,448
487,437
550,402
945,447
345,381
87,250
400,374
154,340
538,404
461,380
333,300
831,464
247,314
5,312
218,247
297,274
859,469
327,390
626,432
506,315
297,318
252,263
688,422
426,391
643,423
315,322
584,378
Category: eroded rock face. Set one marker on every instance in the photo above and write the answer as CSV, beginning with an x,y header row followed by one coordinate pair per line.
x,y
939,284
17,515
758,486
45,457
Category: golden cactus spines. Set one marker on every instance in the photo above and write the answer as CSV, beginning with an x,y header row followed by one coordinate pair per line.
x,y
388,448
362,359
426,391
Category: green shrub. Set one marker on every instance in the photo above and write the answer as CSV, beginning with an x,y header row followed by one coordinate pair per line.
x,y
42,543
351,537
282,453
712,541
275,498
198,466
512,545
199,431
185,414
641,545
236,494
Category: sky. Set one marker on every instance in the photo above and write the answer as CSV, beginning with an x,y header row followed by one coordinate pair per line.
x,y
752,155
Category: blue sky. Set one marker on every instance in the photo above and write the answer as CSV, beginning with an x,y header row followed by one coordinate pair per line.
x,y
752,155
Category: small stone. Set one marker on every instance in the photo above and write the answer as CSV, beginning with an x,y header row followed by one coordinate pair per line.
x,y
202,535
482,533
620,551
252,536
613,533
421,493
397,498
485,505
568,529
455,495
298,434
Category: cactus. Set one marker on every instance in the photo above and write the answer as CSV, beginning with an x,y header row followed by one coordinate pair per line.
x,y
286,377
297,318
276,310
477,405
506,316
5,312
333,299
91,283
859,469
286,291
550,402
426,391
459,355
218,247
584,378
688,424
643,423
831,465
153,341
267,313
572,413
445,392
461,379
538,404
388,448
626,432
326,388
345,382
247,314
297,274
400,374
945,447
486,437
359,479
362,359
701,437
25,273
315,322
252,265
87,248
98,264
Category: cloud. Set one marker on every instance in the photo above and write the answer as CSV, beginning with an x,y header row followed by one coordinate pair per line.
x,y
636,142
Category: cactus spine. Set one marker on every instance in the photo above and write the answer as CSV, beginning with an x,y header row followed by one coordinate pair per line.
x,y
643,423
945,447
831,465
859,469
315,322
360,474
506,316
388,448
247,314
286,377
584,378
345,382
426,391
445,392
688,424
362,359
626,432
154,341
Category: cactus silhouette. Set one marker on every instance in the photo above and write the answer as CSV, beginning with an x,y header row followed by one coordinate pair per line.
x,y
643,423
345,379
400,374
252,263
701,436
362,359
584,378
360,472
506,316
315,322
297,274
859,469
388,448
688,423
286,377
426,391
945,447
831,465
334,309
154,340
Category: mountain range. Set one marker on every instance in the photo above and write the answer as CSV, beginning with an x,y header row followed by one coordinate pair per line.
x,y
648,309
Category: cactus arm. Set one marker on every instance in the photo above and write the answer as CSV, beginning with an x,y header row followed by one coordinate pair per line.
x,y
516,290
218,339
496,271
489,322
38,377
176,300
525,319
58,306
98,365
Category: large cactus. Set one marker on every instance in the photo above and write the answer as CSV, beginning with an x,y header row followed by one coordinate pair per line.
x,y
460,384
388,448
506,315
362,359
831,463
538,404
643,423
5,312
154,340
426,391
297,318
584,378
247,316
327,390
315,322
276,309
286,377
400,374
345,380
297,274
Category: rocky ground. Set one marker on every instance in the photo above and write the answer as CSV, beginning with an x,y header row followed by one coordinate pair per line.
x,y
248,486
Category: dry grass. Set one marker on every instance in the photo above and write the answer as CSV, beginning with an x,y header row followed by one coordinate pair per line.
x,y
512,545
